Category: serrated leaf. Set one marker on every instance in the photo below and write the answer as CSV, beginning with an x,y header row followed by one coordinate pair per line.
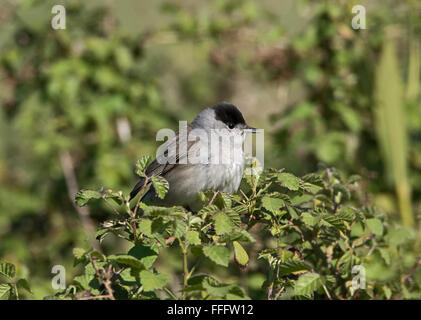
x,y
8,269
23,284
214,288
240,255
98,255
141,165
308,283
346,214
313,178
180,228
387,292
237,235
161,186
223,200
223,223
218,254
127,260
344,263
293,266
78,253
240,209
193,238
385,255
151,281
334,221
289,181
5,291
375,226
208,209
145,254
145,227
284,254
272,204
294,215
343,190
117,196
234,216
361,240
309,220
84,196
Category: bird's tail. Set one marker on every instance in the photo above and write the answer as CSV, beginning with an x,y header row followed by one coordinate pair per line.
x,y
137,188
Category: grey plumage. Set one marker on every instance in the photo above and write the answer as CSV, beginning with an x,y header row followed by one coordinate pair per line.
x,y
185,179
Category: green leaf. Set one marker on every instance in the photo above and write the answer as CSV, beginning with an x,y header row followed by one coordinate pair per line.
x,y
308,283
151,281
292,213
309,220
313,178
161,186
208,209
375,226
7,269
5,291
223,223
218,254
98,255
387,292
289,181
23,284
214,288
344,263
145,227
240,255
127,260
141,165
180,228
223,200
84,196
293,266
193,238
272,204
284,254
78,253
146,254
385,255
234,216
237,235
334,221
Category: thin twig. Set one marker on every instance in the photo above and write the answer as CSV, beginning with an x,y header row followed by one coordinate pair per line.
x,y
411,271
105,278
67,166
213,198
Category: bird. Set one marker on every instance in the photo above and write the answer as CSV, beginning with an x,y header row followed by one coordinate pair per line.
x,y
220,132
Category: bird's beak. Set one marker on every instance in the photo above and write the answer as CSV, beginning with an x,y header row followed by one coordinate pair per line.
x,y
250,129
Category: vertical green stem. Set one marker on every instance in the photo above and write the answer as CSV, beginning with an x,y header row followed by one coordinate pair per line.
x,y
185,268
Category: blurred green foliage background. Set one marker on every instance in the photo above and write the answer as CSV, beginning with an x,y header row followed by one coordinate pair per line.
x,y
79,106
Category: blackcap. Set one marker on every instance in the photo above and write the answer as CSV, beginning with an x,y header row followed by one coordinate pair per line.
x,y
204,155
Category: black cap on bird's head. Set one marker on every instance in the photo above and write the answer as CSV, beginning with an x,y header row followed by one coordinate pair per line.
x,y
231,116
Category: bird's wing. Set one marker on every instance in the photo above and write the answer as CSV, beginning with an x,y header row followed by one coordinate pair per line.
x,y
160,168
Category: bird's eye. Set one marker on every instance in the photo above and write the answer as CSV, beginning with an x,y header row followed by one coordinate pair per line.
x,y
230,125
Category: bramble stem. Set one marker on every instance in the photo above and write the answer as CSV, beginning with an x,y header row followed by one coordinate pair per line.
x,y
185,268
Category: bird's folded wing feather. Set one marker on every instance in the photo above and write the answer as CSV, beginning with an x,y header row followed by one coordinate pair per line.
x,y
173,156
